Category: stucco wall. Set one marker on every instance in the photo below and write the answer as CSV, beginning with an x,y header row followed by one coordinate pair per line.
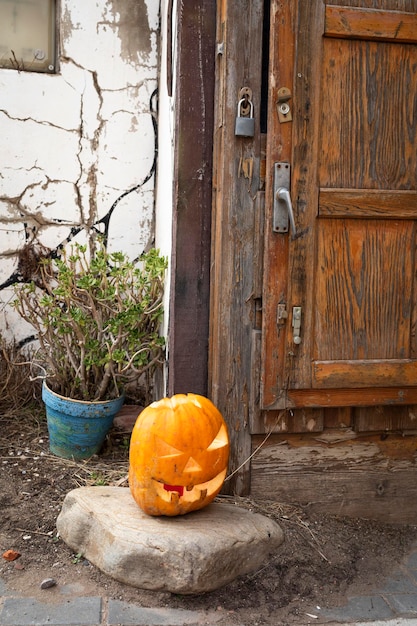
x,y
78,148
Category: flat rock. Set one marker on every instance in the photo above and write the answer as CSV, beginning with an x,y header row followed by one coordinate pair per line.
x,y
188,554
126,417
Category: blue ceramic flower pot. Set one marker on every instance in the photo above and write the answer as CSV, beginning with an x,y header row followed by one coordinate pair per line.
x,y
77,429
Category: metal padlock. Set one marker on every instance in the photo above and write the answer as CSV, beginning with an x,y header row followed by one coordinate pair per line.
x,y
244,126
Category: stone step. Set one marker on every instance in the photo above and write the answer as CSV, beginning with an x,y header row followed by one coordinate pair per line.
x,y
187,554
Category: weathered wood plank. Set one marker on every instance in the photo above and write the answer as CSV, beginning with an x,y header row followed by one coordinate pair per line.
x,y
255,415
385,418
374,479
338,417
279,148
236,183
409,6
303,420
368,203
351,397
190,261
306,132
376,372
258,247
356,23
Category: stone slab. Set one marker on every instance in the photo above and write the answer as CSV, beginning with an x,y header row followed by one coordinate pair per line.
x,y
187,554
359,608
398,621
3,588
403,602
131,615
400,582
30,612
412,561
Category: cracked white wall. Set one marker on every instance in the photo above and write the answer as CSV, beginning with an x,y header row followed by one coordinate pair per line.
x,y
77,148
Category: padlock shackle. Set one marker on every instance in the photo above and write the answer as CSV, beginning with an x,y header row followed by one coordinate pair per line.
x,y
240,104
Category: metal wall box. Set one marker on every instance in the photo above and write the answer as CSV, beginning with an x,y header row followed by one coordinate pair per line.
x,y
27,35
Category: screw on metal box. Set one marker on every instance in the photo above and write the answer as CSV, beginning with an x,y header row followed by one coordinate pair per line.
x,y
244,126
284,110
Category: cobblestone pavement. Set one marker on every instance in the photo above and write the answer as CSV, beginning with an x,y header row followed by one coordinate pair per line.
x,y
395,604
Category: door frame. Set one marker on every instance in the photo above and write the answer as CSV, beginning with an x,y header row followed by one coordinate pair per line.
x,y
203,291
192,192
237,227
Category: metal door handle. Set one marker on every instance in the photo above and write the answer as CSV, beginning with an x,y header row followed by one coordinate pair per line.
x,y
283,211
284,195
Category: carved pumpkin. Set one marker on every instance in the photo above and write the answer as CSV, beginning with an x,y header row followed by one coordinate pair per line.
x,y
179,452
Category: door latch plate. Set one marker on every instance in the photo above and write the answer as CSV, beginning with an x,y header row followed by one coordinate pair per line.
x,y
296,324
284,110
282,178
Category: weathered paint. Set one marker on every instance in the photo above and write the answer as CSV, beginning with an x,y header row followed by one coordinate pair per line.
x,y
78,148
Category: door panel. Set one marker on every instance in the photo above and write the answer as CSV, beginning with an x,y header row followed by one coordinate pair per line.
x,y
367,203
367,126
366,24
350,266
358,312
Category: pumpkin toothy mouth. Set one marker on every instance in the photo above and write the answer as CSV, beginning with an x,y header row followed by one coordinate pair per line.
x,y
189,493
178,488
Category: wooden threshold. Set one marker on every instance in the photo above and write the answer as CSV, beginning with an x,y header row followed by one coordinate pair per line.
x,y
365,477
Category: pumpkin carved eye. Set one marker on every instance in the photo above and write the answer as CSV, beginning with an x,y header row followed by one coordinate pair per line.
x,y
178,455
220,440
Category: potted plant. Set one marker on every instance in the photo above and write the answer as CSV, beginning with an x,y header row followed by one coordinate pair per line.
x,y
96,316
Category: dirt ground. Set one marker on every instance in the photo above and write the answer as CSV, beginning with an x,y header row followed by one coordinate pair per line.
x,y
322,559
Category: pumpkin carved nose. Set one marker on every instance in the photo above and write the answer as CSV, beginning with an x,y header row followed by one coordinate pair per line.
x,y
192,466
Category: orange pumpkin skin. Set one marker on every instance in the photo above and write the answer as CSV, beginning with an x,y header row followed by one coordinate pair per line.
x,y
179,451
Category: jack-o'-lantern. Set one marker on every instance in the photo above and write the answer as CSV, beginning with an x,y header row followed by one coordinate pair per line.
x,y
179,452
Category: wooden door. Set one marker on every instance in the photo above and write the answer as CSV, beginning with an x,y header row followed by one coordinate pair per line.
x,y
349,269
